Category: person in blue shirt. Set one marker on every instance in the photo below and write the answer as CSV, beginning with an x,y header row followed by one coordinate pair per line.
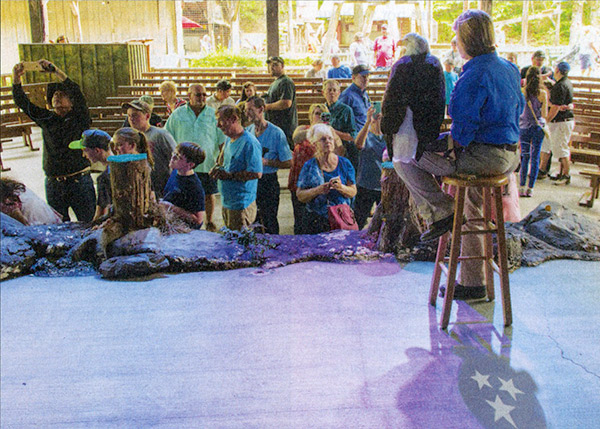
x,y
339,70
276,154
325,180
183,193
356,95
451,77
238,168
371,144
485,107
341,119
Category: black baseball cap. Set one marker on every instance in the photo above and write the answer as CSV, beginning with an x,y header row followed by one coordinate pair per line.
x,y
276,60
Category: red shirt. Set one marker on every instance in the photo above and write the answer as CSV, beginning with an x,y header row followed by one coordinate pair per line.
x,y
302,153
385,49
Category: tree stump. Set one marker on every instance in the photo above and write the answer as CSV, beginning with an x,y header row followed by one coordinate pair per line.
x,y
131,191
396,222
131,197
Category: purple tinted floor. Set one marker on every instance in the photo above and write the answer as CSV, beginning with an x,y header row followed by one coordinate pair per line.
x,y
310,345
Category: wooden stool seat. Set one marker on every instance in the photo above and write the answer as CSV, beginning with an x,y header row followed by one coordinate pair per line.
x,y
492,190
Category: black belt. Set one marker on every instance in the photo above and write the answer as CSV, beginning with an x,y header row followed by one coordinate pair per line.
x,y
71,176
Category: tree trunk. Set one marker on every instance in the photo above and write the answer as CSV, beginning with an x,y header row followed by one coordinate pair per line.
x,y
486,6
525,23
396,222
131,192
557,24
272,28
38,18
576,22
368,20
331,29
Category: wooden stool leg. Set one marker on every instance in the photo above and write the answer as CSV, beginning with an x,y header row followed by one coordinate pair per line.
x,y
488,248
459,207
503,259
437,271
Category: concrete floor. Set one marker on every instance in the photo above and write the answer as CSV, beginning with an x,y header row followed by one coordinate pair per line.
x,y
312,345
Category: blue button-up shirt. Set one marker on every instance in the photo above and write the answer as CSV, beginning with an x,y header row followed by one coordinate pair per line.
x,y
487,101
358,101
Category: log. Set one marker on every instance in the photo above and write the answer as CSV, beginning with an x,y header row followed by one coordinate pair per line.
x,y
396,223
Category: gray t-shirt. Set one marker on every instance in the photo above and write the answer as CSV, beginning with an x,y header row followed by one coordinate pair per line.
x,y
162,146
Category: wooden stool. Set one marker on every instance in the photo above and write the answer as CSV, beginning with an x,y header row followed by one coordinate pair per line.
x,y
492,188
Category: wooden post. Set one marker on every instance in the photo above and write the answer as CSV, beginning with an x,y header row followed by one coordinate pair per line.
x,y
38,21
272,28
131,192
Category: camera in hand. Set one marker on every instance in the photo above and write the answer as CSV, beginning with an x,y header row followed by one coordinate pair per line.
x,y
49,68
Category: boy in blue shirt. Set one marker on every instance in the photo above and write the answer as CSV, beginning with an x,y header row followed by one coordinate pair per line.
x,y
183,193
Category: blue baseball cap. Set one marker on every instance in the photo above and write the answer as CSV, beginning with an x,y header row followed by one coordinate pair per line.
x,y
92,139
563,67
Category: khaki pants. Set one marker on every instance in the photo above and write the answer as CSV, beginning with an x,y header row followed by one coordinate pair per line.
x,y
238,219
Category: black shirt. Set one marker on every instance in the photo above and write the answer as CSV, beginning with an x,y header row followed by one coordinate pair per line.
x,y
57,131
283,89
562,94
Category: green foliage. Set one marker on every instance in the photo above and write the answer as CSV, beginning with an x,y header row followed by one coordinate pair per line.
x,y
306,61
224,58
253,17
541,31
248,238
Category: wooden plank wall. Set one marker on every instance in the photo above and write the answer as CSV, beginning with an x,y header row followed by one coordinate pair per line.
x,y
15,29
99,69
101,22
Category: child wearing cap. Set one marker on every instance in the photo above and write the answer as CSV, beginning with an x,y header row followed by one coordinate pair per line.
x,y
183,193
95,145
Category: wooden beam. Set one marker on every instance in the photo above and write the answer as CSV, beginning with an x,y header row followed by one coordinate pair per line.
x,y
272,28
37,19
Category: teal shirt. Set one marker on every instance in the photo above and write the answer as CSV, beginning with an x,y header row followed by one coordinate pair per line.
x,y
242,154
185,126
342,118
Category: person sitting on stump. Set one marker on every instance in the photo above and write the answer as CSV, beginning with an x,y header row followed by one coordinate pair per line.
x,y
183,194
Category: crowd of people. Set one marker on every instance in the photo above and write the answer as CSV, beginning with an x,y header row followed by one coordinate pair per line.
x,y
212,144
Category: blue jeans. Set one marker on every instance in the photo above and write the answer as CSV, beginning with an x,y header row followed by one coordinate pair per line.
x,y
531,144
76,193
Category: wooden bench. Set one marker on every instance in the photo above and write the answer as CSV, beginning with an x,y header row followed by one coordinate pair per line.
x,y
587,199
14,123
